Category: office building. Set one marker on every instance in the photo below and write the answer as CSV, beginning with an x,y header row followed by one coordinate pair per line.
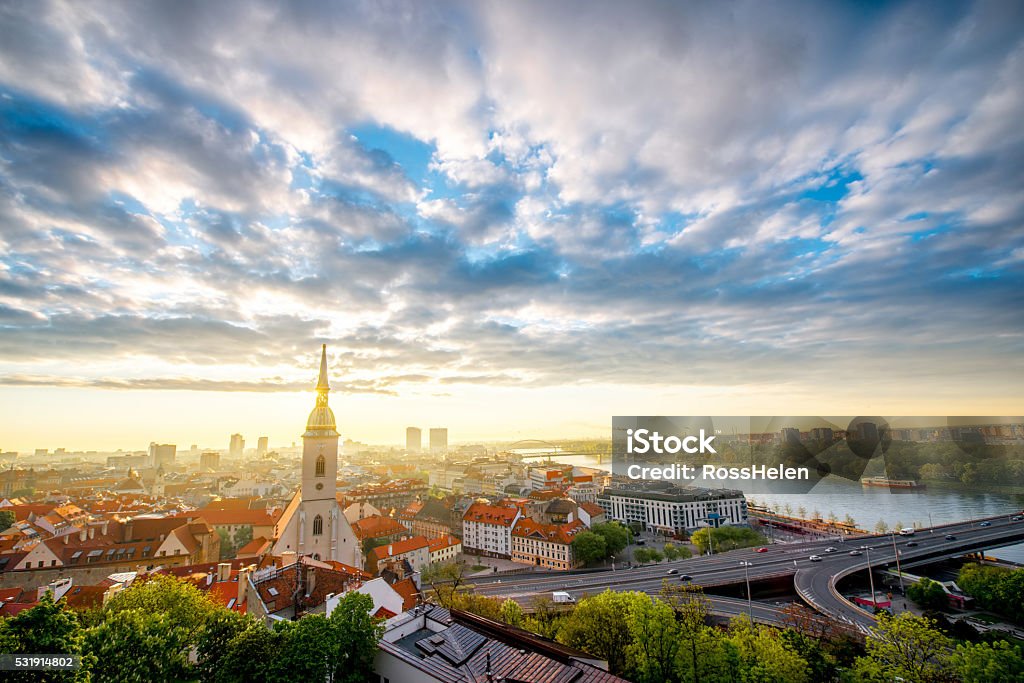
x,y
237,446
162,454
439,441
413,439
261,447
209,461
661,506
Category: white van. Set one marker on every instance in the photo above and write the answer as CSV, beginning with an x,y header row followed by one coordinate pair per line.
x,y
908,531
561,598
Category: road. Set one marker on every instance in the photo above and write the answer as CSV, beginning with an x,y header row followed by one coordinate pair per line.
x,y
815,582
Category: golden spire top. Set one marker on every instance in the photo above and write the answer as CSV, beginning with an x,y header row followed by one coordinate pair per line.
x,y
321,384
321,420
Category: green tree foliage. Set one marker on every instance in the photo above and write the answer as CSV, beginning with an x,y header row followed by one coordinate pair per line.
x,y
996,588
928,594
136,646
763,655
726,538
589,547
599,626
984,662
6,519
167,630
511,613
674,552
906,647
655,641
47,628
616,536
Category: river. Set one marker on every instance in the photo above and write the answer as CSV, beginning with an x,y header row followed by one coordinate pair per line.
x,y
867,505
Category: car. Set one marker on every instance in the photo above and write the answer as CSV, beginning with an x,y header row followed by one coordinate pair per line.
x,y
673,571
865,547
815,558
855,553
641,541
913,544
830,549
761,550
950,537
686,577
1016,518
985,524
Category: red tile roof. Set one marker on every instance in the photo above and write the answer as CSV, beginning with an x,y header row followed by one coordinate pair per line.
x,y
552,533
593,509
442,542
254,548
399,547
376,526
490,514
407,589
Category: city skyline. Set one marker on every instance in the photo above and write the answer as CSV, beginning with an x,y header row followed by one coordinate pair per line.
x,y
501,224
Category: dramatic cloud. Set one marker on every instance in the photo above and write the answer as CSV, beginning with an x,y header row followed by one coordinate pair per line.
x,y
516,194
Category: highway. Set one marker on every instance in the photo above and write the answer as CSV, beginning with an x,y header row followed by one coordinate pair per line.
x,y
815,582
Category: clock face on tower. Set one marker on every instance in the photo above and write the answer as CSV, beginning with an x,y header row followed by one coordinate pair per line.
x,y
319,487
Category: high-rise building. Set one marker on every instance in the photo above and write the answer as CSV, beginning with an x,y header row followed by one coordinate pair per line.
x,y
439,440
413,439
209,461
261,447
312,523
237,447
162,454
790,436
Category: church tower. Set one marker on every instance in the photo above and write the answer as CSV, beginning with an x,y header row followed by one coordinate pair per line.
x,y
313,524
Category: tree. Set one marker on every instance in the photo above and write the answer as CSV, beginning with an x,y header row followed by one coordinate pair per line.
x,y
983,662
445,578
642,555
137,646
881,527
511,613
670,551
928,594
616,536
904,646
599,626
222,626
46,628
589,547
249,656
655,641
763,655
726,538
355,634
6,519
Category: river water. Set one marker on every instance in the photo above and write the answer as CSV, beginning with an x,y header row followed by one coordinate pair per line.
x,y
867,505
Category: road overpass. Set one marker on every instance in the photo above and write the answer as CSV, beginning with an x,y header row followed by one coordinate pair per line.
x,y
815,582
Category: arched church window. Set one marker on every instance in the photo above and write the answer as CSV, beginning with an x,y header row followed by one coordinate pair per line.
x,y
318,525
321,466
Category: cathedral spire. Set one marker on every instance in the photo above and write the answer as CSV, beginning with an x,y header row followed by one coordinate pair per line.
x,y
321,420
321,384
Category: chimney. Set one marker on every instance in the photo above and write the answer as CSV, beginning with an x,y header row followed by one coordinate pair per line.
x,y
92,532
66,538
82,535
243,584
106,525
224,571
287,558
391,550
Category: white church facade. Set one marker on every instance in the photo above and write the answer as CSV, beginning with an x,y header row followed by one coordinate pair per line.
x,y
313,523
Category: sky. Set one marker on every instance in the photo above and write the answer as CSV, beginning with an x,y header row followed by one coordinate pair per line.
x,y
513,219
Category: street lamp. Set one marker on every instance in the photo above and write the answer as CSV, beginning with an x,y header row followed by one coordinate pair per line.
x,y
898,569
746,576
871,578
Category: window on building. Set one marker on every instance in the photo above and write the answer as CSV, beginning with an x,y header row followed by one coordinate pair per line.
x,y
318,524
321,466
